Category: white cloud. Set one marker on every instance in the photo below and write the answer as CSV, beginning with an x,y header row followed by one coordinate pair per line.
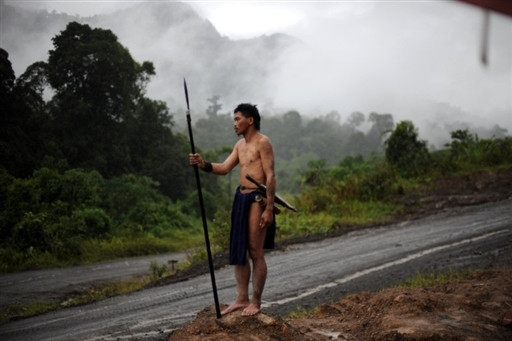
x,y
243,19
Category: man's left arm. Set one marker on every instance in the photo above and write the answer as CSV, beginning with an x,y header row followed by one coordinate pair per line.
x,y
267,159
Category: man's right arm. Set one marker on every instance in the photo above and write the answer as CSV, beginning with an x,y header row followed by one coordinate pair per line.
x,y
216,168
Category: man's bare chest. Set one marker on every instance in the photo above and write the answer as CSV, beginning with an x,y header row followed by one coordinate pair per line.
x,y
249,155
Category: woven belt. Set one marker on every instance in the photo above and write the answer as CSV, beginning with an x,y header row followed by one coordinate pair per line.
x,y
243,188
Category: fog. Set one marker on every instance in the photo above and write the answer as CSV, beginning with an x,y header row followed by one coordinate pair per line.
x,y
419,61
416,60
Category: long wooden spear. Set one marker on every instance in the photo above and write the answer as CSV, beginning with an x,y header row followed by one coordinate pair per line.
x,y
201,204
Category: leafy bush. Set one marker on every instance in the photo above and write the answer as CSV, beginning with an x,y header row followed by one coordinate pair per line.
x,y
468,149
212,204
373,183
157,271
408,155
30,232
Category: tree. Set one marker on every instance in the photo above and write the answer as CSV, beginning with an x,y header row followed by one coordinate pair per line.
x,y
355,119
22,122
98,118
405,152
214,131
289,134
382,124
93,65
7,77
214,107
97,88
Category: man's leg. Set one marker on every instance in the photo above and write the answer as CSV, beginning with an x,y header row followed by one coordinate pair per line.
x,y
259,272
242,276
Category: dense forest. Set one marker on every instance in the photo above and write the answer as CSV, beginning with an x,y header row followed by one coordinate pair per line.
x,y
91,168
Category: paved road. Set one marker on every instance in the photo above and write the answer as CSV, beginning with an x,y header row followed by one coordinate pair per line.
x,y
21,287
304,274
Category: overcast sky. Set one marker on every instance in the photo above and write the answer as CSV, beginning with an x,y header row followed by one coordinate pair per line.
x,y
235,19
384,56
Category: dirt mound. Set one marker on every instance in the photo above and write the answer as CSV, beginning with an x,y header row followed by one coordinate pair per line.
x,y
237,327
476,308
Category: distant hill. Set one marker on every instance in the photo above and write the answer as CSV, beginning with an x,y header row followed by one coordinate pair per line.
x,y
171,35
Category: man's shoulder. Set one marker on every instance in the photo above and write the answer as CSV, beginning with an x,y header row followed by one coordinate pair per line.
x,y
264,144
263,138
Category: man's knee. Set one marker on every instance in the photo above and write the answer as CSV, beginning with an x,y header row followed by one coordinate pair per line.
x,y
256,252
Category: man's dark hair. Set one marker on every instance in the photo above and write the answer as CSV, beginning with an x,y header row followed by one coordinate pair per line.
x,y
249,110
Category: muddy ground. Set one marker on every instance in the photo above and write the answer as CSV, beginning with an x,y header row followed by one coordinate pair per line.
x,y
475,308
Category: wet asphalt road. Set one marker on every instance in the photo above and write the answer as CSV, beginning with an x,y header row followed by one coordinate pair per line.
x,y
302,275
27,286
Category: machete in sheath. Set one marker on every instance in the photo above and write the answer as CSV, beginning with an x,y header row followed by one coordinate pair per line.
x,y
277,198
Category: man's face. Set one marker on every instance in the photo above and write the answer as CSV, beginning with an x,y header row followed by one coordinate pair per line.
x,y
241,123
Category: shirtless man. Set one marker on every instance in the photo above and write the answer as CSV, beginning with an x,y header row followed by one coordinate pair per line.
x,y
253,225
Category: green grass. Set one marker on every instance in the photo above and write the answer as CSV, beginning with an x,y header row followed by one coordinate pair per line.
x,y
94,251
422,280
291,224
102,292
360,213
301,312
345,213
19,311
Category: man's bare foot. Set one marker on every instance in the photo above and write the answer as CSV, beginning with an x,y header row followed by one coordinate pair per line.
x,y
251,310
234,307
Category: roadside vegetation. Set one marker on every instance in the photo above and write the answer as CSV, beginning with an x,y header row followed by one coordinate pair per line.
x,y
422,280
359,192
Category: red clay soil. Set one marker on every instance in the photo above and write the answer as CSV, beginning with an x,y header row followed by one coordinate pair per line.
x,y
472,309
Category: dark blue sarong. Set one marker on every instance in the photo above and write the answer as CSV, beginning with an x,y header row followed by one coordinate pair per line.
x,y
239,228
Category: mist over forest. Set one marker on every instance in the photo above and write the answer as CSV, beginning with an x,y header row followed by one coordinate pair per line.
x,y
172,36
369,62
